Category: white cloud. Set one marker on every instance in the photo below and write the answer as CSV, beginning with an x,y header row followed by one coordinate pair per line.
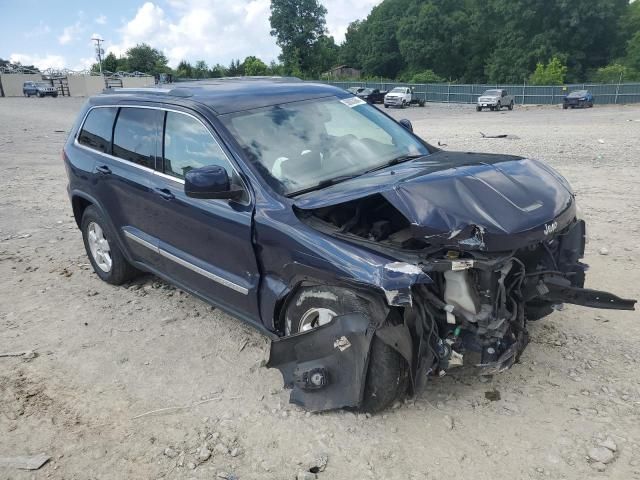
x,y
42,62
40,30
218,31
71,33
101,19
339,15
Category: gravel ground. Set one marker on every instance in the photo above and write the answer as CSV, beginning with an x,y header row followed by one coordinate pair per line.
x,y
105,355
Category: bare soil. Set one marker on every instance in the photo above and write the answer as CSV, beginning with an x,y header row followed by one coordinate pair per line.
x,y
105,355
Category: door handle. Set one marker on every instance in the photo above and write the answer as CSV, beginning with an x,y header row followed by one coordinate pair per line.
x,y
103,169
165,193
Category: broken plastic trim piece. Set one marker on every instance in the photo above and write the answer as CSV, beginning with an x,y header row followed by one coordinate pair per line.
x,y
397,278
326,367
586,297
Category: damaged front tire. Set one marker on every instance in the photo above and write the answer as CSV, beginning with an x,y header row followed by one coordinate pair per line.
x,y
387,372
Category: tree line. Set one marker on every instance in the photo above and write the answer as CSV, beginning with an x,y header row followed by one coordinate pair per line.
x,y
465,41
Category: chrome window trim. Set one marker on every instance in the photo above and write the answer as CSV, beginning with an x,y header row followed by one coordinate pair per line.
x,y
152,170
188,265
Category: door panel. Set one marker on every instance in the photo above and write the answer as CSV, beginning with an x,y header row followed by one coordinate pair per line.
x,y
206,244
208,247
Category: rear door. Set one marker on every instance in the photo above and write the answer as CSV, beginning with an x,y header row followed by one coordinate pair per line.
x,y
124,178
207,244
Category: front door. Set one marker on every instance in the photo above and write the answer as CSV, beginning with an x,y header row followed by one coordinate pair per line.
x,y
206,244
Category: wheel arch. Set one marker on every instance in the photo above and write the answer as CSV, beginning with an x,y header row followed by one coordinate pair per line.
x,y
80,201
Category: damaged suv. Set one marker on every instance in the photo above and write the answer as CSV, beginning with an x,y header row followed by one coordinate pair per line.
x,y
369,257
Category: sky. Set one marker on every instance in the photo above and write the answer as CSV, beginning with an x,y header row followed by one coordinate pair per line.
x,y
58,34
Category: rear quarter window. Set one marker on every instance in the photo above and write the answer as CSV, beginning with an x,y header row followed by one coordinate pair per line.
x,y
97,128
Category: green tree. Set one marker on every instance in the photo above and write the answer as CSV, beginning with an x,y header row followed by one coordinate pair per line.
x,y
253,66
235,68
427,76
218,71
184,69
200,69
144,58
553,73
297,25
615,73
110,63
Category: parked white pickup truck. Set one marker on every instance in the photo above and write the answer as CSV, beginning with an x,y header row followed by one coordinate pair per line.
x,y
494,100
402,97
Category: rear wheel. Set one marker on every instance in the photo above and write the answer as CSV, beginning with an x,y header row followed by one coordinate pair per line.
x,y
511,105
104,254
387,375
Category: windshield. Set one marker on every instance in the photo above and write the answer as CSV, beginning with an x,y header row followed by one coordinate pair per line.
x,y
309,144
492,93
42,84
367,91
578,93
398,90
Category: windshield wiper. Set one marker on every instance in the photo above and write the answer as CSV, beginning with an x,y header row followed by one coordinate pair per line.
x,y
323,184
333,181
394,161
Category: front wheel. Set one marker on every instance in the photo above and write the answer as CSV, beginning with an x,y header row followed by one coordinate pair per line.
x,y
498,106
478,109
386,106
565,106
105,256
511,105
387,375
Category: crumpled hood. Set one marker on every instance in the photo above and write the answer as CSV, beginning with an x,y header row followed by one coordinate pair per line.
x,y
466,200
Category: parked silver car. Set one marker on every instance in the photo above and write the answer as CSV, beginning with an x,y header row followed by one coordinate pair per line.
x,y
495,100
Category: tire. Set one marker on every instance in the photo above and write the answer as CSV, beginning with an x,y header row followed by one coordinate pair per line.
x,y
404,104
386,106
492,108
564,106
55,95
120,270
478,109
41,95
498,107
387,375
511,105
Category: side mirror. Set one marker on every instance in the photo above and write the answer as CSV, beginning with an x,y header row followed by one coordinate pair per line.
x,y
210,182
406,124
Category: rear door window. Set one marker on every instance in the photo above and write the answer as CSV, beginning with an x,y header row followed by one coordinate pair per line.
x,y
188,145
135,135
97,128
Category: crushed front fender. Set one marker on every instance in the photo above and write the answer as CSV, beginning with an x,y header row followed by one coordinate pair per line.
x,y
326,368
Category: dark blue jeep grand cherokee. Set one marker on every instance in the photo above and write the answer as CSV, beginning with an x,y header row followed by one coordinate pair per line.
x,y
370,258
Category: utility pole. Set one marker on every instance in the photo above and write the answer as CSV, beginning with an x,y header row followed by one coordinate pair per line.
x,y
99,51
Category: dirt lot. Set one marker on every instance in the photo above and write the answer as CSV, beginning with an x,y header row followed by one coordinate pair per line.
x,y
106,355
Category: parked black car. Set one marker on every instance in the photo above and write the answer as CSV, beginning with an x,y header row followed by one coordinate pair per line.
x,y
41,89
578,98
371,258
372,95
355,90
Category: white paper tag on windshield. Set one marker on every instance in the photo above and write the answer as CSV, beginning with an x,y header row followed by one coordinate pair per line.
x,y
353,101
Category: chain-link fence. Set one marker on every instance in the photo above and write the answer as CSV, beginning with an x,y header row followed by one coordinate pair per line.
x,y
523,94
